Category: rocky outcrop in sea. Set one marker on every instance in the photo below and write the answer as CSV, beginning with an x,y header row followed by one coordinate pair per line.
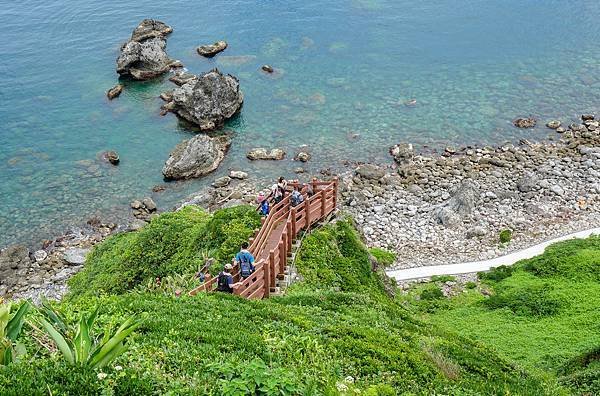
x,y
196,157
208,100
144,56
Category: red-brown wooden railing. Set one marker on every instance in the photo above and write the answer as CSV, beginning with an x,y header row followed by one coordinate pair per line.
x,y
272,244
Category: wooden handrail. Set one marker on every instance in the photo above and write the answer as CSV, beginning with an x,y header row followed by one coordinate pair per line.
x,y
272,243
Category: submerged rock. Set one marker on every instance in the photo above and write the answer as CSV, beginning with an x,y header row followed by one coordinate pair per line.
x,y
235,174
267,69
524,122
111,156
114,91
196,157
208,100
144,56
554,124
14,262
261,153
302,156
211,50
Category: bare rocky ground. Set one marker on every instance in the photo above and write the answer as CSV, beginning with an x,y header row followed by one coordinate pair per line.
x,y
447,209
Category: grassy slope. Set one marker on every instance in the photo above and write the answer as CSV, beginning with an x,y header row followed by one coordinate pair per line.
x,y
570,273
335,333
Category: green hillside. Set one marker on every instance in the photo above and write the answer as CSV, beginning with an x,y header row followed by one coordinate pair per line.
x,y
335,332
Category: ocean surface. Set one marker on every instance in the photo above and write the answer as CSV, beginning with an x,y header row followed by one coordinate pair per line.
x,y
347,68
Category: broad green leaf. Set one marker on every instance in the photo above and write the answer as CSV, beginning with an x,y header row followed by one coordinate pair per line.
x,y
59,340
123,332
111,355
16,323
82,342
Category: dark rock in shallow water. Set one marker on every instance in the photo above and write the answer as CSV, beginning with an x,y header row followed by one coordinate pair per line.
x,y
524,122
587,117
111,156
196,157
267,69
144,56
554,124
261,153
211,50
14,263
114,91
207,101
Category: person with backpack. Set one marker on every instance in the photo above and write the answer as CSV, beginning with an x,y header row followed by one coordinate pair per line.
x,y
264,205
225,280
296,198
245,260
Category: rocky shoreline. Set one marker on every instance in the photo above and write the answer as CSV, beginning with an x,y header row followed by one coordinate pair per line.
x,y
429,209
451,208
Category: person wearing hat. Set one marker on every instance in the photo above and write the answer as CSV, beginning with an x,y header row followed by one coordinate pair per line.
x,y
225,280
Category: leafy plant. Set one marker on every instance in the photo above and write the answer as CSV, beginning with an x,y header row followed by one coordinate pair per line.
x,y
528,299
443,278
496,273
431,292
10,329
82,348
383,257
505,236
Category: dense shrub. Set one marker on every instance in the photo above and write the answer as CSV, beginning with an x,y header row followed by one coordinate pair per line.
x,y
49,377
576,260
496,274
383,257
431,292
505,236
528,299
173,243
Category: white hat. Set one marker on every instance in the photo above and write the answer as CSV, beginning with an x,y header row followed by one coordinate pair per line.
x,y
228,266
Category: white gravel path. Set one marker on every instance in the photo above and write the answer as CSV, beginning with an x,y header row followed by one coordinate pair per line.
x,y
484,265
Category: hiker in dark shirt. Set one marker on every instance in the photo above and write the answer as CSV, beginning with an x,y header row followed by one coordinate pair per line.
x,y
225,280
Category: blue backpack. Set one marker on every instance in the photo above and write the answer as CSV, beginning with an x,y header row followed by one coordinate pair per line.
x,y
245,266
264,208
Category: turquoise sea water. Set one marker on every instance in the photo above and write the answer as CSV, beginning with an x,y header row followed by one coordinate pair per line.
x,y
347,67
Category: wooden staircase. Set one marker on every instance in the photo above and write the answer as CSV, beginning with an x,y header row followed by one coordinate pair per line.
x,y
273,244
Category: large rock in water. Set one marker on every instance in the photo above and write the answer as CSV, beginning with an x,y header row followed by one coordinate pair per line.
x,y
144,55
208,100
196,157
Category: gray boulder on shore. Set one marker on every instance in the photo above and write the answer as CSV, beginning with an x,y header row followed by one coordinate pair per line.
x,y
460,204
144,56
14,263
196,157
207,101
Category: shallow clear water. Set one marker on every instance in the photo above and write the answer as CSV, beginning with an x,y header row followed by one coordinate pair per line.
x,y
347,68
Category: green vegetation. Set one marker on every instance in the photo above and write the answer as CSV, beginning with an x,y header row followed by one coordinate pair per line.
x,y
78,346
505,236
10,329
337,332
383,257
173,243
542,313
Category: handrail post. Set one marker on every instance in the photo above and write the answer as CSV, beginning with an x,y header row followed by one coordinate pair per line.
x,y
323,202
267,273
314,185
307,216
290,238
294,214
282,259
335,192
